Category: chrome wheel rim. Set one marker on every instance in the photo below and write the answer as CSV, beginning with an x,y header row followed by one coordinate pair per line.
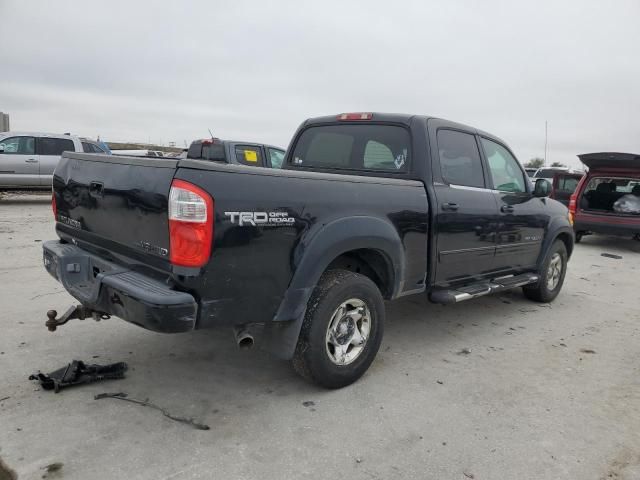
x,y
348,331
554,271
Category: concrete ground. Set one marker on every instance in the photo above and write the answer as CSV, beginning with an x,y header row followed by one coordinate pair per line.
x,y
544,391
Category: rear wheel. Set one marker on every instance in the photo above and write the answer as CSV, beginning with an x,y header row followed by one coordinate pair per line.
x,y
552,275
579,236
342,329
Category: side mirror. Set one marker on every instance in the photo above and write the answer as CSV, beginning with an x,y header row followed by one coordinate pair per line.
x,y
542,188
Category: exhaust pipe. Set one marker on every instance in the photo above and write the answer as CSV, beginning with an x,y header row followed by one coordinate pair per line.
x,y
244,339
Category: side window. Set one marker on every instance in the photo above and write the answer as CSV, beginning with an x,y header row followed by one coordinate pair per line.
x,y
567,184
460,161
249,155
19,145
54,146
88,148
505,169
276,157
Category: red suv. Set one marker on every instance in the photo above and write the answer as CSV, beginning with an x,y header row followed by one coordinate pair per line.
x,y
607,199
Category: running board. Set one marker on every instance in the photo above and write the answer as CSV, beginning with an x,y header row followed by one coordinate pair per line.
x,y
474,290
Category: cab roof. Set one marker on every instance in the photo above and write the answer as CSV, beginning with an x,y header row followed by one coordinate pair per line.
x,y
400,118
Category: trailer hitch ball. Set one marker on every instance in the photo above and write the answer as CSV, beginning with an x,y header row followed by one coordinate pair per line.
x,y
80,312
51,322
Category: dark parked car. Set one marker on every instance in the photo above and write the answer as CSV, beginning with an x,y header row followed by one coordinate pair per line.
x,y
607,199
241,153
368,207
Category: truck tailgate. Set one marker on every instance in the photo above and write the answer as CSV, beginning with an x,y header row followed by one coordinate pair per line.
x,y
119,203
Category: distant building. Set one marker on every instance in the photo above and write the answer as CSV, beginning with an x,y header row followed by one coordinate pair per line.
x,y
4,122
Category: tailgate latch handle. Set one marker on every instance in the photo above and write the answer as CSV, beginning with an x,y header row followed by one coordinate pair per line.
x,y
96,189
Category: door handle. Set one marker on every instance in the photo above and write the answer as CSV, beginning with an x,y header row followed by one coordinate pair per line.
x,y
506,209
31,160
450,206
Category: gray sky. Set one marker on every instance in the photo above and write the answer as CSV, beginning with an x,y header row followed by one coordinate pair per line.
x,y
168,71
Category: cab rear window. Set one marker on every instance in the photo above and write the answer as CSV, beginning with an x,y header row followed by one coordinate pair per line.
x,y
207,151
353,147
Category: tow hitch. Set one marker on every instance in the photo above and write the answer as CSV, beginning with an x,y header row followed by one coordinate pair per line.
x,y
74,311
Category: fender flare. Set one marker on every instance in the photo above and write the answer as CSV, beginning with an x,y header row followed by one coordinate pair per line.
x,y
313,257
557,226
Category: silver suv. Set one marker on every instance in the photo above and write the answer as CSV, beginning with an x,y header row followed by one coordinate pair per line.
x,y
27,159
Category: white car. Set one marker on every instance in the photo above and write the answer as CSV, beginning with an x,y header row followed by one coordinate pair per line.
x,y
28,159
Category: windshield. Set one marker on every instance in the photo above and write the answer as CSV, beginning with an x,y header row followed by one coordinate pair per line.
x,y
545,173
353,147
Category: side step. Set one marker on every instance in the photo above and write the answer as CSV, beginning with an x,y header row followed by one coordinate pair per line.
x,y
446,296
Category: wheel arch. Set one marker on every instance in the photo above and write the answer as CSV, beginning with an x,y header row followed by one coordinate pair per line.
x,y
369,244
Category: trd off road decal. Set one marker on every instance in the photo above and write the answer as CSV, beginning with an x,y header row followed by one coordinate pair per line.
x,y
261,219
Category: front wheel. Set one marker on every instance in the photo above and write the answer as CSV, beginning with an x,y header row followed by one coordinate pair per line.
x,y
552,275
342,329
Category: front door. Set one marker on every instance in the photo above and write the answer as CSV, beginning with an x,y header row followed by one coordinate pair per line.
x,y
19,162
523,218
466,211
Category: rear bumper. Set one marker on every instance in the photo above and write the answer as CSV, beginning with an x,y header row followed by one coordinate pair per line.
x,y
109,288
612,226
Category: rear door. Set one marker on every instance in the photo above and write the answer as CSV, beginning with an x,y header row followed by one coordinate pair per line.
x,y
523,218
466,211
19,162
49,151
251,155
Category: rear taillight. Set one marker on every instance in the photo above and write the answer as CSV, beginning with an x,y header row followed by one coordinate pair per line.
x,y
190,224
572,207
54,207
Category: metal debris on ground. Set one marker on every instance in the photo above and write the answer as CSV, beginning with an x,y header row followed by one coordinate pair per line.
x,y
78,373
52,468
611,255
587,350
464,351
146,403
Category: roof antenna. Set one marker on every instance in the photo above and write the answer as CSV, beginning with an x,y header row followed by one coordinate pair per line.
x,y
210,133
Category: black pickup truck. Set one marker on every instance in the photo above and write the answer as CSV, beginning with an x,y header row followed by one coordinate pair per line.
x,y
367,208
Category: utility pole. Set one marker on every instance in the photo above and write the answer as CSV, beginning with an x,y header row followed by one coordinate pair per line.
x,y
545,143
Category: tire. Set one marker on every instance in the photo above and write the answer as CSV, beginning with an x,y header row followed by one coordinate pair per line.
x,y
544,291
339,358
579,236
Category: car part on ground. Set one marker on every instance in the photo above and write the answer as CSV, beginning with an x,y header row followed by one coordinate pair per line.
x,y
146,403
79,373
